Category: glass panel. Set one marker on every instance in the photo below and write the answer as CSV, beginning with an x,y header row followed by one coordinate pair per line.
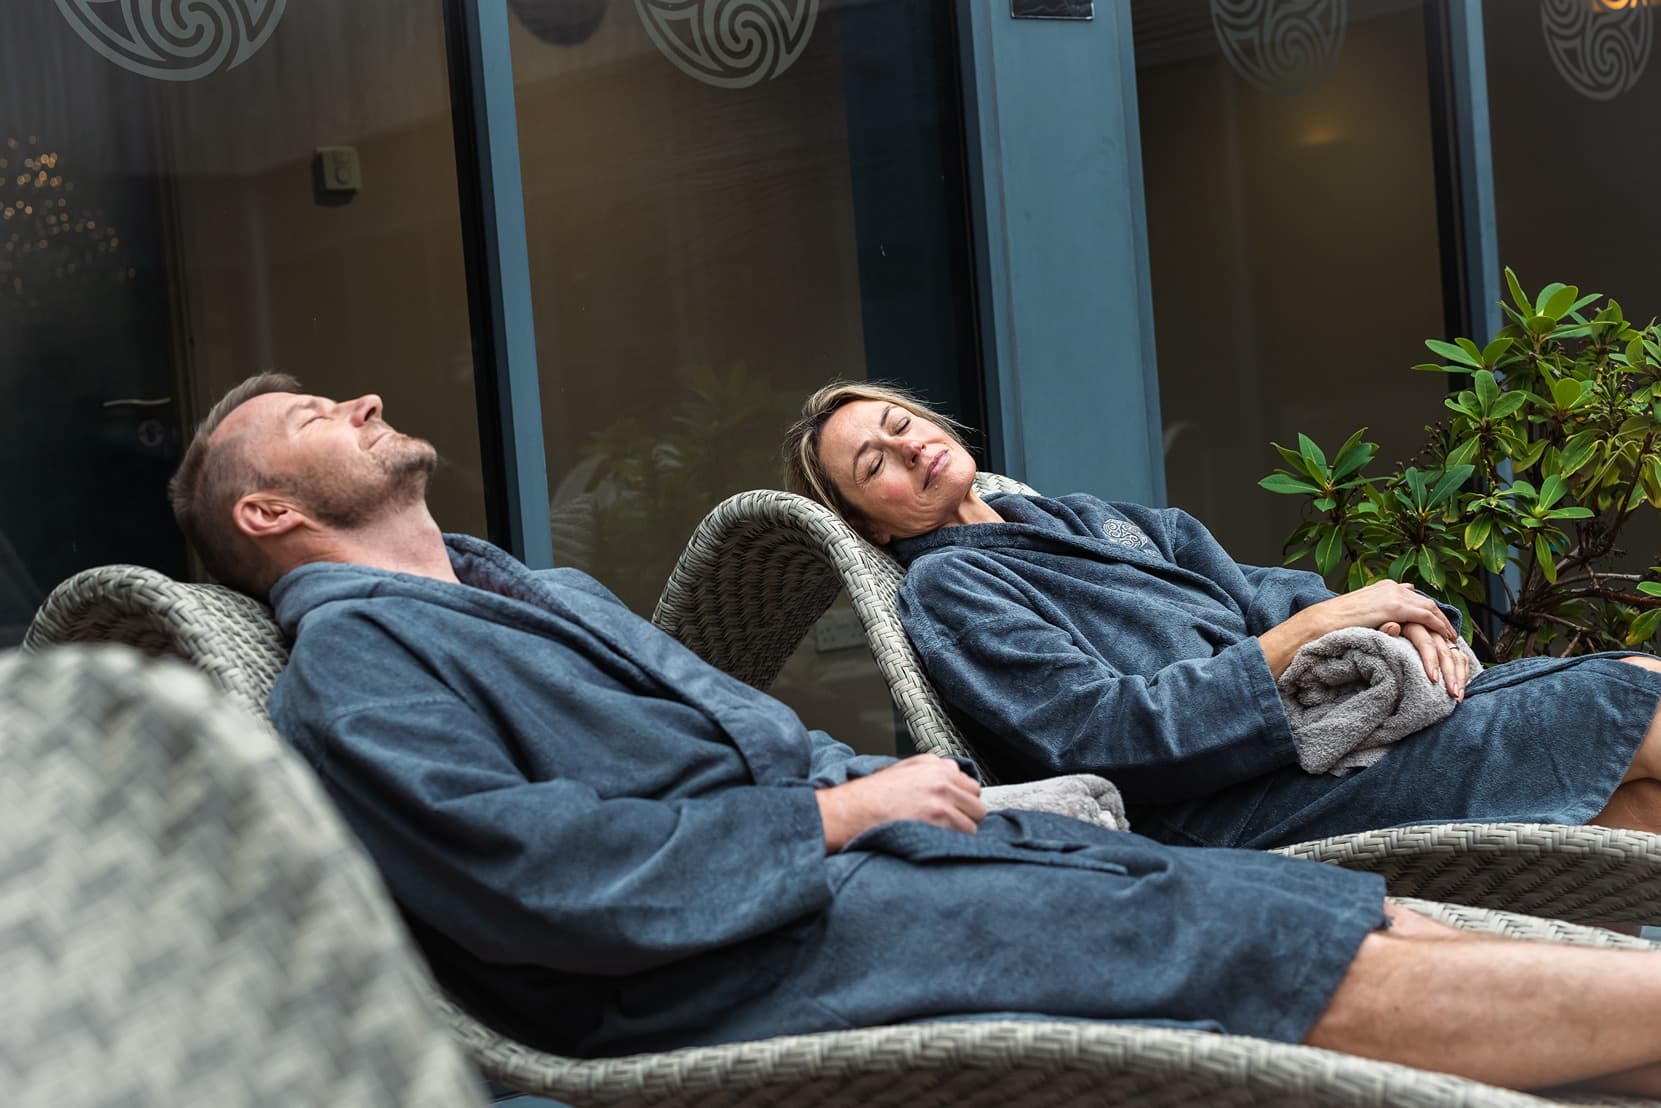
x,y
165,231
1572,90
1292,230
716,229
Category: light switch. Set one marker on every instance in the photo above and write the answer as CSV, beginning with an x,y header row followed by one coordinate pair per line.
x,y
338,168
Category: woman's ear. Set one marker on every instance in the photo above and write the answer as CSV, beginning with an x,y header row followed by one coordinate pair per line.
x,y
264,515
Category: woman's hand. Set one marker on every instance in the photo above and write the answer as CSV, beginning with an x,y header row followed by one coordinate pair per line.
x,y
1444,661
1380,603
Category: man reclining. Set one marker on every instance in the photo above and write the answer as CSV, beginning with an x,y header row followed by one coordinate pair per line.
x,y
605,845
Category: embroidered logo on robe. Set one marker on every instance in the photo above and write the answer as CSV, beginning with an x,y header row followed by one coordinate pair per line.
x,y
1126,534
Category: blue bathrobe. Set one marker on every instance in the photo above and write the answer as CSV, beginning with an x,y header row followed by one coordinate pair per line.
x,y
1084,636
605,845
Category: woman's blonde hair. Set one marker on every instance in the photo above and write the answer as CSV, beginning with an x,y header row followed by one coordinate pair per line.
x,y
804,469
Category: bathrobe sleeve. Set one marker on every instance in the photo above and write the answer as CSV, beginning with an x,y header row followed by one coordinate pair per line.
x,y
1000,652
1273,594
551,872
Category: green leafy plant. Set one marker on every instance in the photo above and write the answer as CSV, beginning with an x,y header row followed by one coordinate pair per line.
x,y
1551,446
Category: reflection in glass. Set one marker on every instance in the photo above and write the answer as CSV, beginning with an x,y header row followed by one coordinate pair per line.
x,y
165,234
709,243
1292,237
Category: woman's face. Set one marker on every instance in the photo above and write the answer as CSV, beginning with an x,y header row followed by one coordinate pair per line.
x,y
903,472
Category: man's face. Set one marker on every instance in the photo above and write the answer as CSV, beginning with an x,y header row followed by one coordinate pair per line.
x,y
340,459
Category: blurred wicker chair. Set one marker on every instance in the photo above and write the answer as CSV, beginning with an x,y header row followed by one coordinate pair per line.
x,y
183,920
764,566
976,1063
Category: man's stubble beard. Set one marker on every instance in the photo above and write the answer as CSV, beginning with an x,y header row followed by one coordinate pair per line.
x,y
345,504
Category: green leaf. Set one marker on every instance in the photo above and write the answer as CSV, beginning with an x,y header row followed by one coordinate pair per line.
x,y
1543,556
1635,352
1291,457
1517,293
1578,451
1650,588
1587,299
1352,455
1552,490
1453,353
1287,483
1476,531
1464,452
1329,551
1508,404
1572,512
1311,453
1400,565
1451,481
1430,568
1567,392
1496,349
1643,627
1325,504
1494,553
1438,367
1487,388
1539,324
1548,294
1528,455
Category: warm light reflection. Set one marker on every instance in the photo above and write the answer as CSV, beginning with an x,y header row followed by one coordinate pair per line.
x,y
55,243
1321,134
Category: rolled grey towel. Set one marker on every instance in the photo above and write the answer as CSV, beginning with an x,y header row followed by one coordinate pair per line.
x,y
1080,795
1352,692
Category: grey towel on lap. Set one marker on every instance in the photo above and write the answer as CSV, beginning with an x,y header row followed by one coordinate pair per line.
x,y
1080,795
1352,692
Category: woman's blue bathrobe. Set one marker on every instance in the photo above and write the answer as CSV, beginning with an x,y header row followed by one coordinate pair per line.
x,y
605,845
1083,636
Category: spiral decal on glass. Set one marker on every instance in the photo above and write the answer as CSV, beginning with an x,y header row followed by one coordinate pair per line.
x,y
730,43
1280,46
1600,47
174,40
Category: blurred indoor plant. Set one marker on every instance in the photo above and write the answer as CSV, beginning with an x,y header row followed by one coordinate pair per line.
x,y
1551,446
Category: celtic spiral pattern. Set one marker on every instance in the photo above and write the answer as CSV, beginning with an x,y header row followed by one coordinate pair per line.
x,y
174,40
1600,50
730,43
1126,533
1280,46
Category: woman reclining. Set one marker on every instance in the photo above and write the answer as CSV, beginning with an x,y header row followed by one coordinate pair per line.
x,y
1075,635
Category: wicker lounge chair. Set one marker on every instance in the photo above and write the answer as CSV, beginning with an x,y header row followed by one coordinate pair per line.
x,y
183,920
974,1063
763,566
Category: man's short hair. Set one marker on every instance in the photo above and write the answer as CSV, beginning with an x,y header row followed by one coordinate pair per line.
x,y
211,479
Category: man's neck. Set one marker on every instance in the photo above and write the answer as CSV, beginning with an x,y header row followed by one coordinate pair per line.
x,y
407,542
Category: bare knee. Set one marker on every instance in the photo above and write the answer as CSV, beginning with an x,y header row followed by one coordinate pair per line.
x,y
1644,661
1636,806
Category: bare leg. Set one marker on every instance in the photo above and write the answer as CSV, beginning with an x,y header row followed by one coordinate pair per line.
x,y
1636,804
1462,1003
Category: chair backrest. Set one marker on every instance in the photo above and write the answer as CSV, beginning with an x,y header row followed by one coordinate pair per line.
x,y
230,637
763,566
183,918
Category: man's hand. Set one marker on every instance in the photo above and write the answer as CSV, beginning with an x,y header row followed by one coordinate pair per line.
x,y
1378,604
926,788
1444,661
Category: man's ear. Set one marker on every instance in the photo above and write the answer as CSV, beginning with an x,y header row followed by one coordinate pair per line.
x,y
264,515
